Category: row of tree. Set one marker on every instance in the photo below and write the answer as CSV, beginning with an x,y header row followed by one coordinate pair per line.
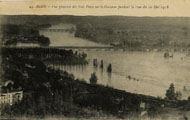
x,y
48,55
28,33
123,35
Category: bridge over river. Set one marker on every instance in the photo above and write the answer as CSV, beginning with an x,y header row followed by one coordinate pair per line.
x,y
86,48
76,48
57,30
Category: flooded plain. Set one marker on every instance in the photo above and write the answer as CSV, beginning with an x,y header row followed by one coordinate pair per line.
x,y
146,73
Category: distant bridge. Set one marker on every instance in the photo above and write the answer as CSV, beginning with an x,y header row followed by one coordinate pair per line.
x,y
77,48
56,30
82,47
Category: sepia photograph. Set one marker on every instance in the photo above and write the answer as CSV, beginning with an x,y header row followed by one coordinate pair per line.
x,y
66,67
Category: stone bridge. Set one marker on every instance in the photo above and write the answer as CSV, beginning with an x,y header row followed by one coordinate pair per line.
x,y
55,30
76,48
87,48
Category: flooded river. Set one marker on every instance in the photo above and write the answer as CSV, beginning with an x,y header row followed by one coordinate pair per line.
x,y
150,73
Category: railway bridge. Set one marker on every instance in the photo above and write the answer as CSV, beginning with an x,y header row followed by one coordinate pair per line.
x,y
56,30
76,48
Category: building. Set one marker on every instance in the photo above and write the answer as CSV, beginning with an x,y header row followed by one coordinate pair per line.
x,y
11,97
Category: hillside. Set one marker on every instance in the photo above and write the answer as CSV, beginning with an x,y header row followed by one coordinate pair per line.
x,y
127,31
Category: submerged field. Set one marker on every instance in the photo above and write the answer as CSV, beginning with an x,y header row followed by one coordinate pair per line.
x,y
135,88
150,72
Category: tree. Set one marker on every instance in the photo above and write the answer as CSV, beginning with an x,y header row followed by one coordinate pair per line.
x,y
109,69
188,98
178,95
6,110
170,93
93,78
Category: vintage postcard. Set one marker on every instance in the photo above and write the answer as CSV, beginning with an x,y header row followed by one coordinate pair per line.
x,y
95,60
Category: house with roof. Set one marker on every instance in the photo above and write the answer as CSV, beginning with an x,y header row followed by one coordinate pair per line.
x,y
10,96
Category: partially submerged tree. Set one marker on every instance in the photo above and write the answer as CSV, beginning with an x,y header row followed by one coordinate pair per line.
x,y
93,78
188,98
170,93
109,69
178,95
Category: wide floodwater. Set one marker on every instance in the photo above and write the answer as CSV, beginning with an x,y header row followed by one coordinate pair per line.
x,y
151,74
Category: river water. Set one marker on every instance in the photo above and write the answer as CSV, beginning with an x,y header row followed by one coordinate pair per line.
x,y
151,74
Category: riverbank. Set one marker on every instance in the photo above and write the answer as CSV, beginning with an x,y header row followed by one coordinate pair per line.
x,y
128,33
100,102
15,35
58,93
167,116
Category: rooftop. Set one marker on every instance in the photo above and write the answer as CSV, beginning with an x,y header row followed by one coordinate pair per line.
x,y
11,92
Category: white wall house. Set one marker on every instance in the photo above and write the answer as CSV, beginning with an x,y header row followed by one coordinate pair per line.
x,y
11,97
